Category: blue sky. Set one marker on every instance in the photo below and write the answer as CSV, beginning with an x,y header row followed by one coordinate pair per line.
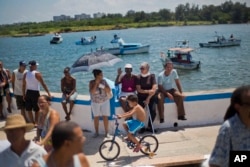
x,y
13,11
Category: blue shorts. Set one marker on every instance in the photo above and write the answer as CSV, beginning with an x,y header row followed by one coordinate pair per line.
x,y
134,125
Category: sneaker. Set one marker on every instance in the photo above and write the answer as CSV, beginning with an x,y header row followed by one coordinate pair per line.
x,y
95,135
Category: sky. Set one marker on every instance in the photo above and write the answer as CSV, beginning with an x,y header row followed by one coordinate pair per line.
x,y
14,11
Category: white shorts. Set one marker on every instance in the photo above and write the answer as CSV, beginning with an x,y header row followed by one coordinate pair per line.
x,y
101,109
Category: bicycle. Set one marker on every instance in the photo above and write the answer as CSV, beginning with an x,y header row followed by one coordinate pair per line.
x,y
110,149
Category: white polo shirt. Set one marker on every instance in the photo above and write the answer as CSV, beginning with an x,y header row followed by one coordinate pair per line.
x,y
8,158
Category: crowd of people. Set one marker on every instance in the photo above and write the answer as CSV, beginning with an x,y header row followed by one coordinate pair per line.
x,y
26,90
54,138
140,95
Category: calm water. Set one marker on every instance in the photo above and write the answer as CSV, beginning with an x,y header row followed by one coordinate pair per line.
x,y
220,68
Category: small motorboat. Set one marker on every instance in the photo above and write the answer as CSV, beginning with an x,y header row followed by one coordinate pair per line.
x,y
122,48
56,39
221,41
181,57
86,41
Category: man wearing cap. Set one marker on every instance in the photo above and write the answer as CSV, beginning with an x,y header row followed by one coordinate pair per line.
x,y
21,152
31,90
128,85
17,85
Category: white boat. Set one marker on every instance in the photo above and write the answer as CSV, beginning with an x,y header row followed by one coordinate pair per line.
x,y
181,57
221,41
122,48
86,41
56,39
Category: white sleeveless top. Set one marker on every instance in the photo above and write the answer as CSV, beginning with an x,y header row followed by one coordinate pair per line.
x,y
31,82
18,82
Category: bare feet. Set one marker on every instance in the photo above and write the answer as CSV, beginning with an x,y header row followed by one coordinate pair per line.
x,y
137,148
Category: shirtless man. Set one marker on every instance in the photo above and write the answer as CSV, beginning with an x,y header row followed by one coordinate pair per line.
x,y
133,125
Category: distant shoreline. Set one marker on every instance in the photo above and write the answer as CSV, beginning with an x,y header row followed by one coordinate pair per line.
x,y
46,31
43,31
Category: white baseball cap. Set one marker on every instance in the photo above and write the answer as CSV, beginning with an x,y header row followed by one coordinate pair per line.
x,y
128,66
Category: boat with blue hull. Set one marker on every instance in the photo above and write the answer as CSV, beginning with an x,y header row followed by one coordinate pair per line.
x,y
86,41
122,48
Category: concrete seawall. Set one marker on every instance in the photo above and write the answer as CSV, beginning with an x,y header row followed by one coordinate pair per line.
x,y
202,108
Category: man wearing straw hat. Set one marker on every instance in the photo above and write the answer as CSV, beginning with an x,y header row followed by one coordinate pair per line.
x,y
21,152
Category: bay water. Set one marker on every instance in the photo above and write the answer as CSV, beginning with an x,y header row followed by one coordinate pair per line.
x,y
220,67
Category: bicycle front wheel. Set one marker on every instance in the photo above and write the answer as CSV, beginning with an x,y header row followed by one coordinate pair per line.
x,y
109,150
149,144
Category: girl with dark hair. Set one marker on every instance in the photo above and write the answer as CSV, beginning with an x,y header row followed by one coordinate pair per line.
x,y
234,134
48,118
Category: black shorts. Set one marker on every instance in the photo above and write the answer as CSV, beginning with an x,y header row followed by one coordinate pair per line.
x,y
20,102
1,98
31,100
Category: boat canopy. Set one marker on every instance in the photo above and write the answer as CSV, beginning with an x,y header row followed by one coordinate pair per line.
x,y
181,50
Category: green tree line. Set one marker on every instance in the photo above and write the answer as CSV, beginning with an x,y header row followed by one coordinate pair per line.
x,y
227,12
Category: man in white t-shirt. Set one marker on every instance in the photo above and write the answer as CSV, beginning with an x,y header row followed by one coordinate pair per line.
x,y
167,80
17,85
21,152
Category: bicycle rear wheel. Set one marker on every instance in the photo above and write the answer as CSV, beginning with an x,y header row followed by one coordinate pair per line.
x,y
109,150
149,144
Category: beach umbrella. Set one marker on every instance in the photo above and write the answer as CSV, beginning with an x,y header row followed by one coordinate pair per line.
x,y
94,60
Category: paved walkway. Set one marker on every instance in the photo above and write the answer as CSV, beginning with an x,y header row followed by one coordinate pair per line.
x,y
178,146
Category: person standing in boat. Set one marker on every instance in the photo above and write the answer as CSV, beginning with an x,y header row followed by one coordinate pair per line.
x,y
189,57
166,80
68,88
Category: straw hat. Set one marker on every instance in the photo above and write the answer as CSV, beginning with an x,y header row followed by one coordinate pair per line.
x,y
17,121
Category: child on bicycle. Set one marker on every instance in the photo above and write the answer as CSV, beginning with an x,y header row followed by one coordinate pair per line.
x,y
135,124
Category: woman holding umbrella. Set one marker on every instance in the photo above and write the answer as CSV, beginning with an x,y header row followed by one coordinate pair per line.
x,y
100,95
